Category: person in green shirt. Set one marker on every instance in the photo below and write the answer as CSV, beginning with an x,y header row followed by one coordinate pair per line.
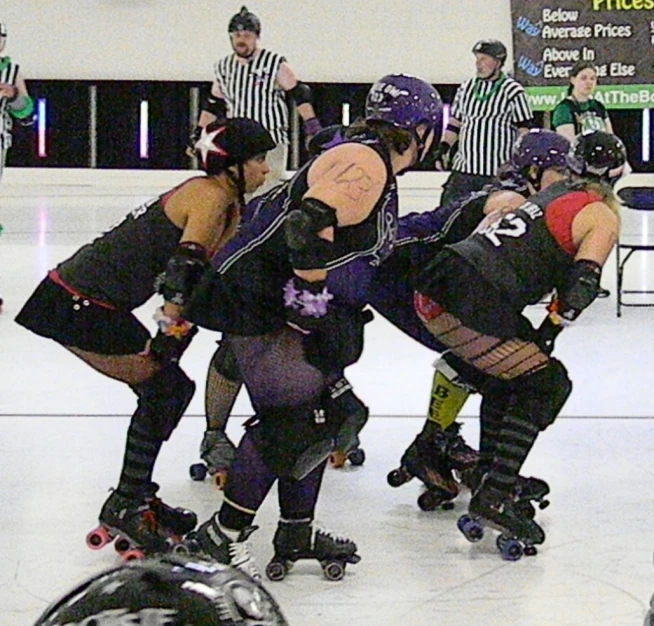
x,y
579,111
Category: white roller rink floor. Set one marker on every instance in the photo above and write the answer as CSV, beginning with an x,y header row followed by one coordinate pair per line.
x,y
63,428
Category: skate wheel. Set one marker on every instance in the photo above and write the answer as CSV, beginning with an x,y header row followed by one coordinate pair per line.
x,y
530,551
398,477
220,478
447,506
472,530
511,549
276,571
198,472
122,544
98,538
333,570
357,457
133,555
543,504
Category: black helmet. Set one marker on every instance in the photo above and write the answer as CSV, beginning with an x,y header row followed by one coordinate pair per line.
x,y
597,154
491,47
171,590
244,20
230,142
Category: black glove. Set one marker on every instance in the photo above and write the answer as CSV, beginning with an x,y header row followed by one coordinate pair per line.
x,y
28,121
338,343
442,156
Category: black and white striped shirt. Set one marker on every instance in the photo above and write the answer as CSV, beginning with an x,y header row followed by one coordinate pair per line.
x,y
8,74
490,114
250,91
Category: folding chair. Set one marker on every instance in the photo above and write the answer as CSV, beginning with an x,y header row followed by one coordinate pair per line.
x,y
636,235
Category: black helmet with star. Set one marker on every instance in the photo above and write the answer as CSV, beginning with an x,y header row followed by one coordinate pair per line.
x,y
231,142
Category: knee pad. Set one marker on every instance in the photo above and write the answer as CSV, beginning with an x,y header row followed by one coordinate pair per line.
x,y
224,362
345,407
293,441
540,396
163,398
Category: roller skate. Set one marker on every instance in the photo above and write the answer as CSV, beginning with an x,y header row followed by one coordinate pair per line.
x,y
215,542
132,522
176,521
492,508
297,539
217,452
426,459
527,489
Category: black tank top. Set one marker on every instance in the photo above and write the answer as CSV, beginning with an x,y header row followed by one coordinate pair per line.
x,y
119,268
518,253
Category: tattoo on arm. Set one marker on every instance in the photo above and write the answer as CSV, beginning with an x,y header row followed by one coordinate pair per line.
x,y
354,181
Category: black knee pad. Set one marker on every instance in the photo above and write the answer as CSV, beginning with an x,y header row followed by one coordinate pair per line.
x,y
540,396
293,441
163,398
224,362
344,406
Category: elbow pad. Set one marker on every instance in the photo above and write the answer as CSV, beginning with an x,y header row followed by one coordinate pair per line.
x,y
301,93
308,250
215,106
183,272
580,290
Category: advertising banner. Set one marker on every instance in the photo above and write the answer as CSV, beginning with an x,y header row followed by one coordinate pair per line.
x,y
549,37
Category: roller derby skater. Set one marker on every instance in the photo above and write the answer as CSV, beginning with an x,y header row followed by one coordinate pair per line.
x,y
86,304
297,540
471,297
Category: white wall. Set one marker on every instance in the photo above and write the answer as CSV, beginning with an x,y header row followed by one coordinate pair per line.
x,y
327,40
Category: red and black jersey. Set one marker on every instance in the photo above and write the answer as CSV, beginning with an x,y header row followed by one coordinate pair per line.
x,y
528,252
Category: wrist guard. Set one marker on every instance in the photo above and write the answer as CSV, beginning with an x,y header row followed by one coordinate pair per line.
x,y
580,290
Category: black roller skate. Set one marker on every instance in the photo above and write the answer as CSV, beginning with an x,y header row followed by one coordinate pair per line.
x,y
426,459
527,489
217,452
133,523
297,540
176,521
490,507
213,541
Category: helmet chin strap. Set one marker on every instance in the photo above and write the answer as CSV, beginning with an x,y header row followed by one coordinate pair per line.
x,y
535,181
239,181
421,143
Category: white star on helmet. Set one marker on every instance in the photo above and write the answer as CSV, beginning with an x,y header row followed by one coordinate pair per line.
x,y
206,144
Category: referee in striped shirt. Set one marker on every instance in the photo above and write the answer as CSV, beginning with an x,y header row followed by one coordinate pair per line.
x,y
254,82
488,113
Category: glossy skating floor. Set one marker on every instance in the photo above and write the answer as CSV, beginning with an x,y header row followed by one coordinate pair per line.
x,y
63,427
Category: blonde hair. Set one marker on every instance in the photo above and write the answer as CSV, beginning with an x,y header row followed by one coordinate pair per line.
x,y
604,191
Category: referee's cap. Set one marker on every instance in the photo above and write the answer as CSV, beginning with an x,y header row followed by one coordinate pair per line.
x,y
492,47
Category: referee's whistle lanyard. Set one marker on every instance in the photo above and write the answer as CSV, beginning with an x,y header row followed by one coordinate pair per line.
x,y
492,91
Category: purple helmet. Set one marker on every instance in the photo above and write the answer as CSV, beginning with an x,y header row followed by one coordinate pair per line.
x,y
540,147
405,102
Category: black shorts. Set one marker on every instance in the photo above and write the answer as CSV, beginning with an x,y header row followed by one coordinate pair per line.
x,y
462,291
75,321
